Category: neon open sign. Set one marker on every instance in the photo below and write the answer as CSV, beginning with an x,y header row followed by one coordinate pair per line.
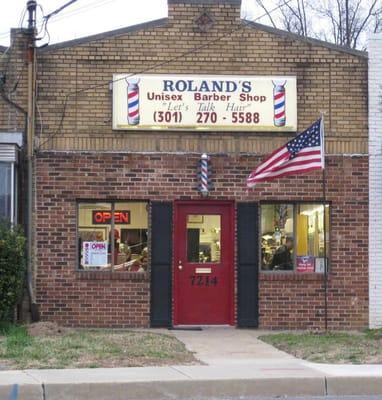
x,y
104,217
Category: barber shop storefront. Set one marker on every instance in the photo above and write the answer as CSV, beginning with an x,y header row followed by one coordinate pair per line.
x,y
143,213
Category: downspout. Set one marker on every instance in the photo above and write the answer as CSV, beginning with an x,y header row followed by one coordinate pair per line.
x,y
31,7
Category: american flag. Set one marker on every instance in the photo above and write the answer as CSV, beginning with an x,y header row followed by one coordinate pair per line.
x,y
302,154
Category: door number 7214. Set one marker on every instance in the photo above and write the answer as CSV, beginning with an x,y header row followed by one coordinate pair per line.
x,y
203,280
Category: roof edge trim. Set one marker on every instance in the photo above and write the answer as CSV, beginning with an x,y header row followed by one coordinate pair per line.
x,y
205,2
317,42
106,35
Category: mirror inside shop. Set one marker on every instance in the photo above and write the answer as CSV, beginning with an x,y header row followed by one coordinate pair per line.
x,y
293,238
113,236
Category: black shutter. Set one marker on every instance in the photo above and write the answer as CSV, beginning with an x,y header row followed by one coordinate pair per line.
x,y
248,260
161,257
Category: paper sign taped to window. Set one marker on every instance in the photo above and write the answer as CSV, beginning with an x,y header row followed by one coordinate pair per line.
x,y
94,253
305,264
320,265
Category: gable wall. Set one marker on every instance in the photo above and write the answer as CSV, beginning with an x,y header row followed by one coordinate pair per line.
x,y
328,80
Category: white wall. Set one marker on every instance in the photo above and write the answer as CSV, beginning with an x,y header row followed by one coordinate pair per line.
x,y
375,181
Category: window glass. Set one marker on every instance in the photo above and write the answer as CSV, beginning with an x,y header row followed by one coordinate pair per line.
x,y
6,190
310,247
292,237
277,236
131,222
93,235
203,238
113,236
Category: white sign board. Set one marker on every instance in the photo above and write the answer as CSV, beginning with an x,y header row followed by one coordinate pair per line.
x,y
94,253
205,102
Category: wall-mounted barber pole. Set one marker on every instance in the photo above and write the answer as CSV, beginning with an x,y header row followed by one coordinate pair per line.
x,y
204,175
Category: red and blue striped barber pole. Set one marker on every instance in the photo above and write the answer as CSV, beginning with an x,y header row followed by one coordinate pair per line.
x,y
132,101
204,174
279,103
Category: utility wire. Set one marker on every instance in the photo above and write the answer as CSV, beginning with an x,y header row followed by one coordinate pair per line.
x,y
80,10
4,35
59,9
43,25
7,95
151,68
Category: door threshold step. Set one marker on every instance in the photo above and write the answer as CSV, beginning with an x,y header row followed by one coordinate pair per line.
x,y
185,328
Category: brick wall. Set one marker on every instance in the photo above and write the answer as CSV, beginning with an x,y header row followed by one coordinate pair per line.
x,y
76,76
293,301
75,115
375,187
13,65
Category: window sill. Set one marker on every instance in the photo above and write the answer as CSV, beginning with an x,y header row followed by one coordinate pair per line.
x,y
112,276
291,276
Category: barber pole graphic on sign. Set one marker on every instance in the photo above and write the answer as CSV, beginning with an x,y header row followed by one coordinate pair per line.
x,y
279,103
133,101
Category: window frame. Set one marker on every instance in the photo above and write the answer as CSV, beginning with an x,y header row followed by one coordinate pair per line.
x,y
112,203
295,203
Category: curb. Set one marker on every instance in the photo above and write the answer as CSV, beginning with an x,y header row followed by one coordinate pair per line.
x,y
166,390
22,392
187,390
353,385
194,389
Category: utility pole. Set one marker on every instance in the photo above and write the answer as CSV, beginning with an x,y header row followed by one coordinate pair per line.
x,y
31,56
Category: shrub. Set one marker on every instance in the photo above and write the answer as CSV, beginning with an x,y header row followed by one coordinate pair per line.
x,y
12,268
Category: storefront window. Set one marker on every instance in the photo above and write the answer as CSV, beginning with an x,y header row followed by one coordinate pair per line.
x,y
292,237
113,236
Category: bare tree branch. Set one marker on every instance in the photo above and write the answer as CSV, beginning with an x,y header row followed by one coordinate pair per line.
x,y
366,19
261,4
347,21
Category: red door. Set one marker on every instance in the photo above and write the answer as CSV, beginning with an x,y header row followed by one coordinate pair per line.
x,y
203,263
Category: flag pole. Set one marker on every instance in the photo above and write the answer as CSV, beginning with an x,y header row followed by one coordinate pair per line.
x,y
324,216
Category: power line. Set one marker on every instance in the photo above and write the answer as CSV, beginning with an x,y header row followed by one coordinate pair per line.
x,y
80,10
60,9
6,34
66,14
148,69
151,68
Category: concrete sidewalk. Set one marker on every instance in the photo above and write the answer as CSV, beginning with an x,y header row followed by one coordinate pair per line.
x,y
236,364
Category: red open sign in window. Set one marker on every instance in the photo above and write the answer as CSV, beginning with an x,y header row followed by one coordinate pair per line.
x,y
104,217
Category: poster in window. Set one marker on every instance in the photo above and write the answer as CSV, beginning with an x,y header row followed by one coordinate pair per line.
x,y
305,264
320,265
94,253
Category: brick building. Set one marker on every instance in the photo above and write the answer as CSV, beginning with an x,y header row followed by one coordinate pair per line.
x,y
123,235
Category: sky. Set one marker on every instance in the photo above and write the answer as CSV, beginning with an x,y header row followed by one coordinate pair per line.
x,y
89,17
